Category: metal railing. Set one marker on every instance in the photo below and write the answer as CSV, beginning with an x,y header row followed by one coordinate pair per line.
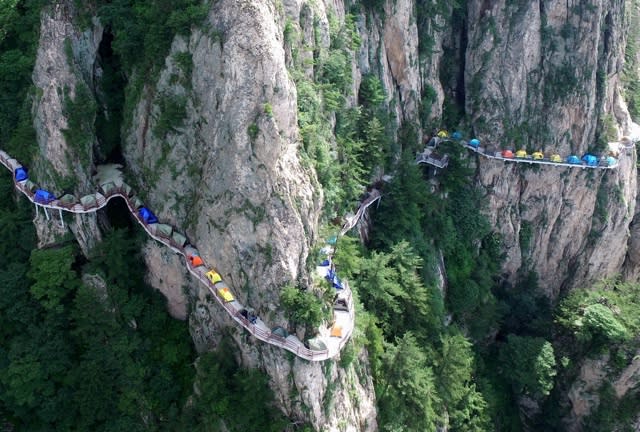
x,y
289,343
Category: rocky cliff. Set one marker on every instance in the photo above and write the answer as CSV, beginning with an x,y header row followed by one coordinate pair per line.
x,y
212,142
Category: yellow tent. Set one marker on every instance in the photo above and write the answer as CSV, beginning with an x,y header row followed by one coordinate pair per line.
x,y
225,294
213,276
336,331
538,155
522,153
556,158
443,134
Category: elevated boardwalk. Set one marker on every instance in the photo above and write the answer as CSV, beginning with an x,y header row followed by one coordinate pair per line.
x,y
342,318
426,157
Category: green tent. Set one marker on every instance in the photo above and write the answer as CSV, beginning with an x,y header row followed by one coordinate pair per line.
x,y
67,200
164,230
279,331
179,239
316,344
88,201
108,188
30,186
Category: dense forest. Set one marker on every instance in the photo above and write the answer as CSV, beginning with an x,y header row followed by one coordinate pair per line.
x,y
87,345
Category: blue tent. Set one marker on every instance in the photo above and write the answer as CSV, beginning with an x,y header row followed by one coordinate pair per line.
x,y
475,143
43,197
611,161
573,160
334,279
325,263
147,216
20,174
332,240
456,135
590,159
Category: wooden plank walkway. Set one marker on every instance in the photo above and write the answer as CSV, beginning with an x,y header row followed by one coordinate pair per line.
x,y
345,319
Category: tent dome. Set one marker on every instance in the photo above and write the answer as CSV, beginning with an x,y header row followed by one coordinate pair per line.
x,y
590,159
20,174
507,154
573,159
475,142
456,135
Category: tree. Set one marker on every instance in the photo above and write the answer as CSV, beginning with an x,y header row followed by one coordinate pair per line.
x,y
529,364
52,275
407,394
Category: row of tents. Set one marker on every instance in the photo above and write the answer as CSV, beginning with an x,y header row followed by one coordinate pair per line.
x,y
42,196
587,159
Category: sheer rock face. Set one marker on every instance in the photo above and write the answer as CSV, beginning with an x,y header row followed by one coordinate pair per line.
x,y
542,75
64,61
229,175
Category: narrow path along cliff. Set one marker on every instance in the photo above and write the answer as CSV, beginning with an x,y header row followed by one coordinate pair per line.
x,y
326,345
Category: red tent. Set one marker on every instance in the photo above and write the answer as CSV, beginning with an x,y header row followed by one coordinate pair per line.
x,y
507,154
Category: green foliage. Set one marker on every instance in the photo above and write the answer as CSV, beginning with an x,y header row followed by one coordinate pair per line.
x,y
53,277
390,287
80,111
253,131
529,365
303,307
607,314
407,394
173,111
88,358
230,398
144,29
19,24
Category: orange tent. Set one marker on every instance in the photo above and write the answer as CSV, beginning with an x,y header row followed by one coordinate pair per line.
x,y
336,331
195,260
507,154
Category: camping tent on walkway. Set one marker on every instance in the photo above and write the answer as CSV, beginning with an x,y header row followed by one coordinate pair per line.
x,y
146,216
42,196
20,174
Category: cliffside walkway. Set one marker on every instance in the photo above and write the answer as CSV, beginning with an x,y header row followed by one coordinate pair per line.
x,y
428,156
343,319
373,196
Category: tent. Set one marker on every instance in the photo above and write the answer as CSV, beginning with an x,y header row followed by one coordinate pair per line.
x,y
249,314
279,331
458,136
146,216
195,260
108,188
225,294
325,263
334,279
443,134
508,154
573,159
522,153
316,344
590,159
332,240
179,239
88,201
67,200
555,158
336,330
43,197
341,305
537,155
475,143
30,186
611,161
213,276
164,230
20,174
